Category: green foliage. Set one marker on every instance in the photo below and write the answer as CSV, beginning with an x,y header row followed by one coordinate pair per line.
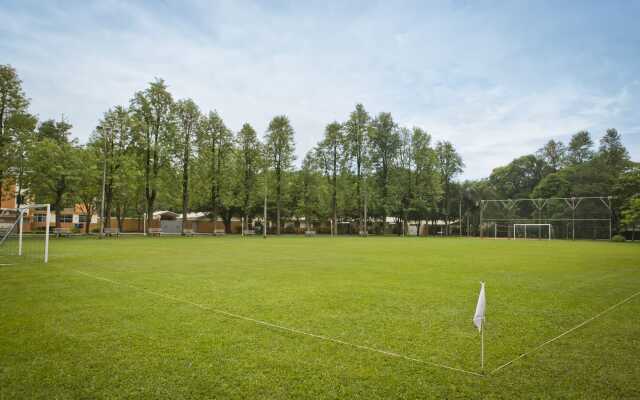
x,y
552,185
553,154
280,147
617,238
580,148
518,178
53,173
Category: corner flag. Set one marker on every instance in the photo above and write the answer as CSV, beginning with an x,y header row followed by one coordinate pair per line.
x,y
478,318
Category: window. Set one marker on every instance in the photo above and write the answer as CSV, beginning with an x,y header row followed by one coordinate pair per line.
x,y
82,218
40,218
66,218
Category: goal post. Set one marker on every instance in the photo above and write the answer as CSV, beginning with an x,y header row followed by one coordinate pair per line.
x,y
24,233
539,231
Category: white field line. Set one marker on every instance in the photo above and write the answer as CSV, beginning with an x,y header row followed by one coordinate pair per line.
x,y
284,328
564,333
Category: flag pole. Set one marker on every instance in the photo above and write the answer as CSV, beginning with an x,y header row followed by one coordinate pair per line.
x,y
482,345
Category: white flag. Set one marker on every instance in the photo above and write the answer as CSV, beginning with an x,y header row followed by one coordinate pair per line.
x,y
478,318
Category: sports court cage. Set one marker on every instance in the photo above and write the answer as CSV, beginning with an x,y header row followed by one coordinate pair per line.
x,y
567,217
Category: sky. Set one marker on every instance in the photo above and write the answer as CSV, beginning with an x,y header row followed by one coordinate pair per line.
x,y
497,79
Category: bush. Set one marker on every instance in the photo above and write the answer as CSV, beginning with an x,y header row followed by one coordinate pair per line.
x,y
617,238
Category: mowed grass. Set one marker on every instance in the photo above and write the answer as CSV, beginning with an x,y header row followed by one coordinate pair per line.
x,y
135,318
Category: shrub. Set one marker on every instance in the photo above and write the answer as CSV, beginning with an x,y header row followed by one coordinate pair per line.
x,y
617,238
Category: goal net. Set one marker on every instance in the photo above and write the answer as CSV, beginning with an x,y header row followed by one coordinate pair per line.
x,y
567,218
24,234
532,231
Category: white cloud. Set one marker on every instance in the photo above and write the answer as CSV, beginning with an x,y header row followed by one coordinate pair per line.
x,y
484,86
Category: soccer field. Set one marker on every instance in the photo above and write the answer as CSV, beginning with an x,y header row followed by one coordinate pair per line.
x,y
296,317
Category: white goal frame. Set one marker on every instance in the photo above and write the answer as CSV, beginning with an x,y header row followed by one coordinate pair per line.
x,y
515,226
22,211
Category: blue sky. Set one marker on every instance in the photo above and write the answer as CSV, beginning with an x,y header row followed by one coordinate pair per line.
x,y
496,79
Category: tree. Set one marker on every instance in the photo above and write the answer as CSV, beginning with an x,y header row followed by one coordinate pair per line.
x,y
518,178
21,130
53,166
12,102
384,145
631,214
188,117
311,191
215,148
404,178
330,156
112,140
552,185
356,140
427,188
580,148
249,162
612,151
450,164
89,181
281,147
152,120
553,154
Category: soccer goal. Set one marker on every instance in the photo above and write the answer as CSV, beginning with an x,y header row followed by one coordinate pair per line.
x,y
24,233
532,231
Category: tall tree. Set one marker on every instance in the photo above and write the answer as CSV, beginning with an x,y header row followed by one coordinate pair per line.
x,y
384,145
187,116
427,187
151,111
12,102
612,151
330,153
554,154
53,166
21,130
580,148
281,147
404,180
112,140
249,162
450,164
357,149
310,187
215,148
89,179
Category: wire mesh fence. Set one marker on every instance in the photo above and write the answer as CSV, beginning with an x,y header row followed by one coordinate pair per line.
x,y
568,218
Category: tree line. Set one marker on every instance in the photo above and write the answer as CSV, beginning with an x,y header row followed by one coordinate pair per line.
x,y
161,153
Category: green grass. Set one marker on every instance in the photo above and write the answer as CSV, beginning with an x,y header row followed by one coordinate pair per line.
x,y
64,334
